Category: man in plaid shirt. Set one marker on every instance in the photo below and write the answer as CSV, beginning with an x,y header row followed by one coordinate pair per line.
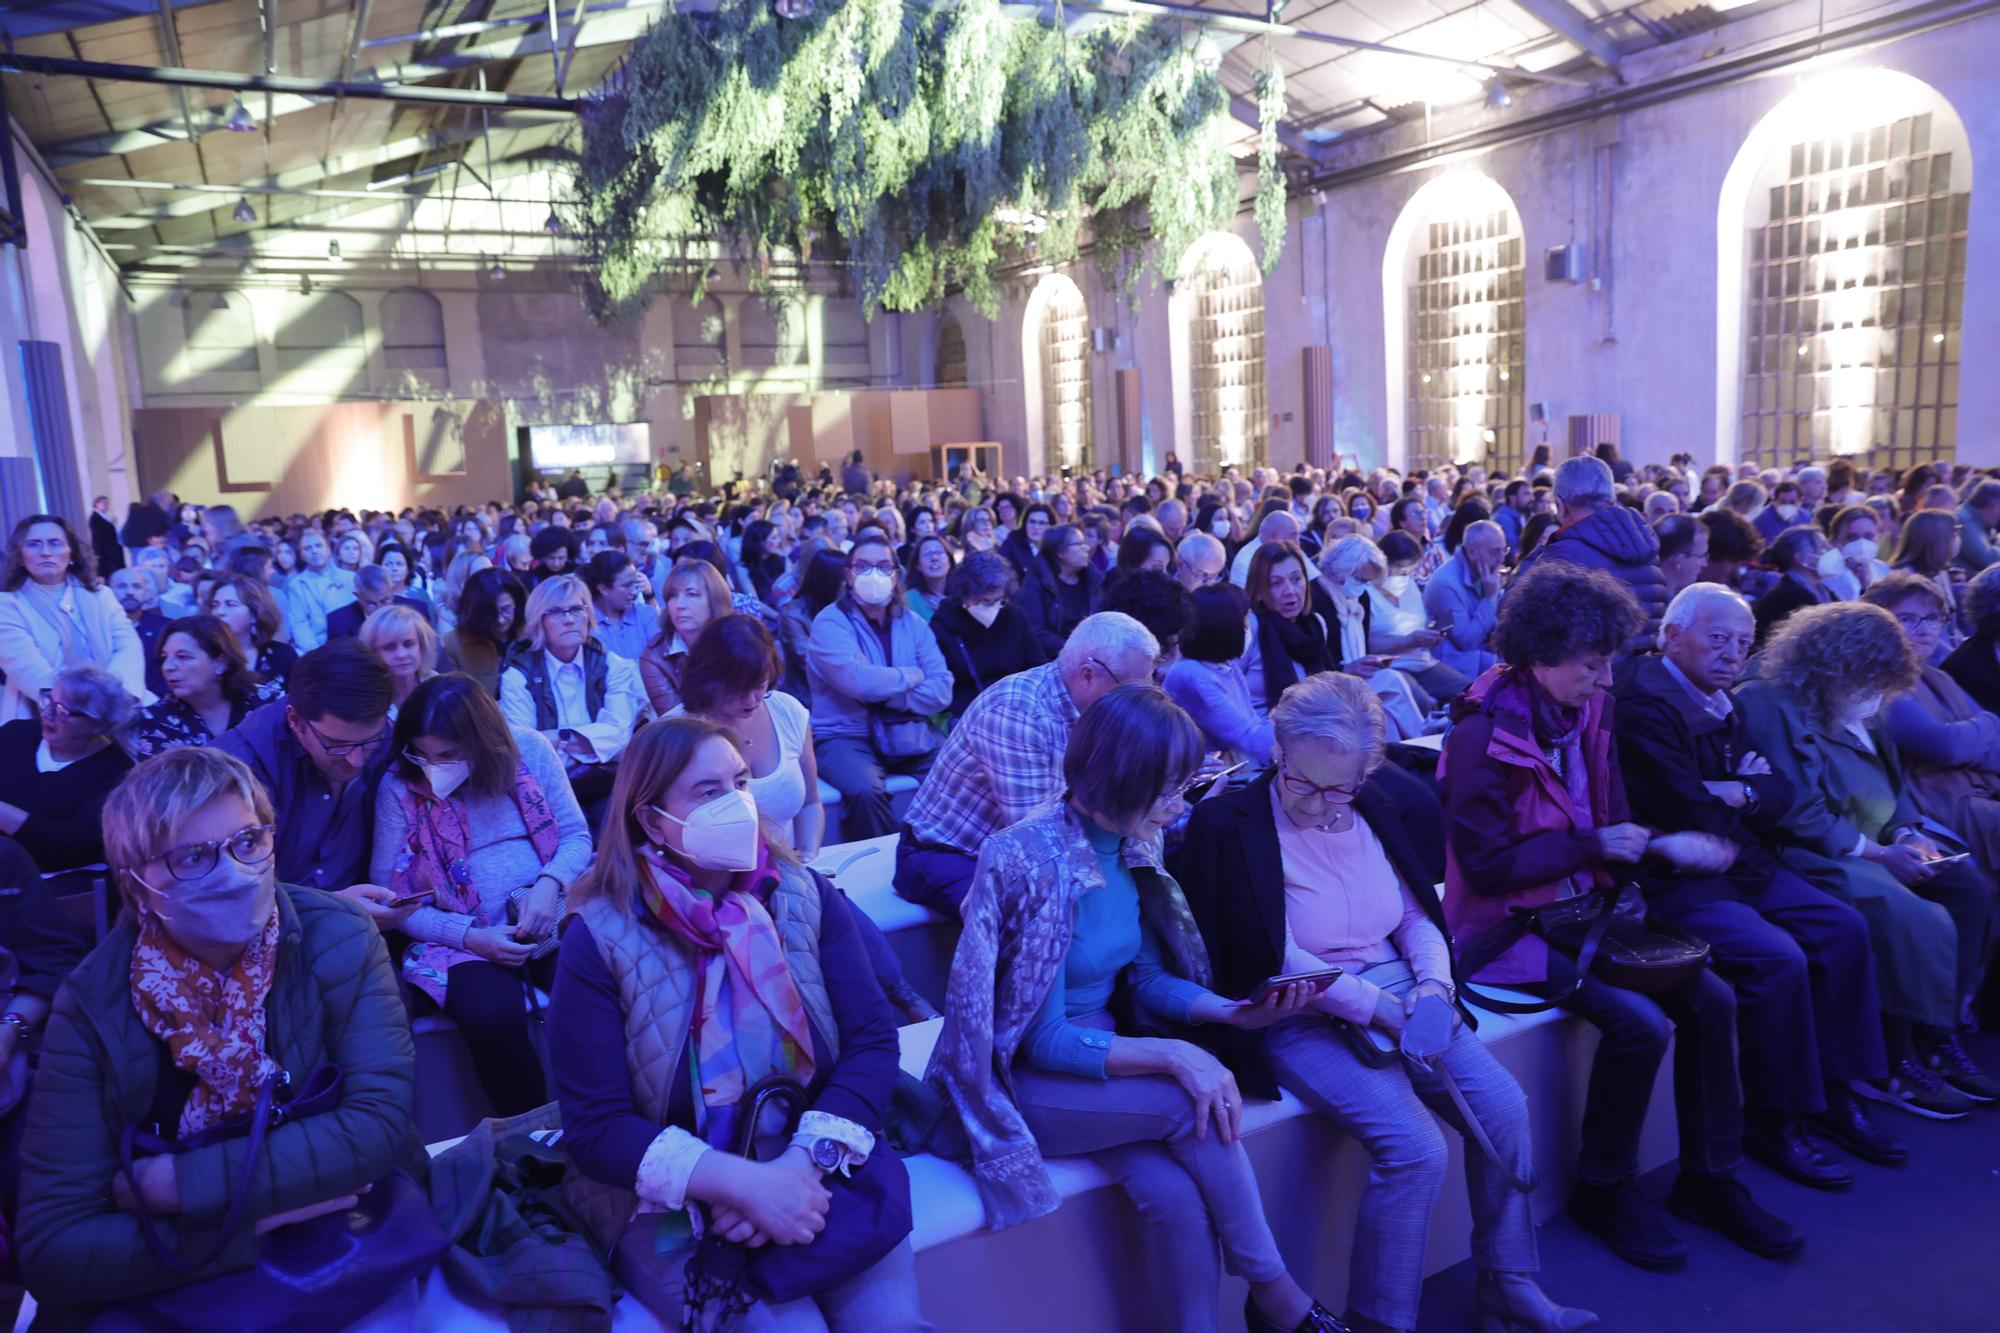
x,y
1005,756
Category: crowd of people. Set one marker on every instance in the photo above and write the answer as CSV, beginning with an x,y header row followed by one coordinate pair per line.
x,y
1233,784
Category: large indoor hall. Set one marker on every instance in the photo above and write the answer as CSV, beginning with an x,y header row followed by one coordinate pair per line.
x,y
966,666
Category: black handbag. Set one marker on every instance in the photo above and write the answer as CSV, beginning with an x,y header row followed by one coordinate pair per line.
x,y
1608,935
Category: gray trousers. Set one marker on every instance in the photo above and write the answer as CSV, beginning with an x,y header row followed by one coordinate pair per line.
x,y
1389,1111
1191,1193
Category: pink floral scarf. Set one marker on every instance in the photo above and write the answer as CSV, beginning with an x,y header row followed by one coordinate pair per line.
x,y
212,1022
434,860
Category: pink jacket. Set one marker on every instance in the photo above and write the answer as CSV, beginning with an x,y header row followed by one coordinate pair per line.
x,y
1513,834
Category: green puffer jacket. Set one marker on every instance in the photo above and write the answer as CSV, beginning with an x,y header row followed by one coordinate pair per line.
x,y
334,998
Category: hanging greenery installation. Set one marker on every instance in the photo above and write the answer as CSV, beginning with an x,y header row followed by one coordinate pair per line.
x,y
920,144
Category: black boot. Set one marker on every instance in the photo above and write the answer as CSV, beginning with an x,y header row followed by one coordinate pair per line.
x,y
1723,1203
1628,1223
1846,1121
1782,1143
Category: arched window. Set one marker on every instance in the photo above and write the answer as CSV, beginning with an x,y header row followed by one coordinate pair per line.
x,y
412,330
1225,354
950,351
1849,203
1454,272
219,332
698,335
322,332
1065,362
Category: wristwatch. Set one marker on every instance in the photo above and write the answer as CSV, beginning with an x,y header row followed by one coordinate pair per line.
x,y
1749,796
828,1154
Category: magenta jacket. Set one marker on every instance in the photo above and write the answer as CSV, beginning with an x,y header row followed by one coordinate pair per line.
x,y
1512,834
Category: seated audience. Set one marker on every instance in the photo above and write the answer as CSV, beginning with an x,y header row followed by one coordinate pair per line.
x,y
1067,905
1732,550
210,688
1949,745
55,773
246,606
1399,625
320,752
1975,664
1853,831
1977,519
1346,569
927,573
489,624
560,682
1024,544
822,579
1002,759
1536,811
1143,548
475,821
55,613
217,980
1807,1017
372,592
696,927
1797,557
1156,601
407,645
1597,532
1290,639
404,575
625,619
1929,550
876,677
692,595
1059,587
1683,550
1327,856
1463,599
1853,534
314,591
981,635
1207,678
1199,560
138,597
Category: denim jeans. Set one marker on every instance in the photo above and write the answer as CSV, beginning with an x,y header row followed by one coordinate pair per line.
x,y
1708,1100
1389,1111
932,876
1191,1192
851,766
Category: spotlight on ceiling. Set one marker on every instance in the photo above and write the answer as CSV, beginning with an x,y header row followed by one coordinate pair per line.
x,y
1497,95
498,272
243,212
554,225
240,120
333,250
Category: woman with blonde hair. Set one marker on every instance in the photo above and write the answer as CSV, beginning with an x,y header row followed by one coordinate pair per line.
x,y
700,943
407,645
692,595
561,682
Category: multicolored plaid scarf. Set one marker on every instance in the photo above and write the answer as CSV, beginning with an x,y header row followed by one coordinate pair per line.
x,y
750,1022
434,860
212,1022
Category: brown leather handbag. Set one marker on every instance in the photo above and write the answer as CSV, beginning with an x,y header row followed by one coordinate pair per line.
x,y
1609,936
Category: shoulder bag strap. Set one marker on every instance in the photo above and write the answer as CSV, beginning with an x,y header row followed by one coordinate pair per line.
x,y
260,1120
1479,1136
1503,937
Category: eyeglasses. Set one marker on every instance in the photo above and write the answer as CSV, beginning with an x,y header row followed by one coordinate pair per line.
x,y
1098,662
62,712
874,567
1298,786
565,613
250,846
336,749
1930,621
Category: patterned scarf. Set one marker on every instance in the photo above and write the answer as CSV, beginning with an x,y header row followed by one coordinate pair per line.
x,y
750,1022
212,1022
434,860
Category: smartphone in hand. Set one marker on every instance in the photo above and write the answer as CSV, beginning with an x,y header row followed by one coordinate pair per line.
x,y
1319,978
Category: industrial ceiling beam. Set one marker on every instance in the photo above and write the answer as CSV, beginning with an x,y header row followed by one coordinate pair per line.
x,y
170,43
1575,26
1245,110
19,62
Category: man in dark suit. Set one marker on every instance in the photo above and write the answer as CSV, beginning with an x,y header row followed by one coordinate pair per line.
x,y
149,520
104,538
372,592
574,487
1808,1020
1795,555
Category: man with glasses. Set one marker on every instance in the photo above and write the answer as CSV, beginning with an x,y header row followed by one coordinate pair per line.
x,y
1199,561
1005,756
320,751
1806,1008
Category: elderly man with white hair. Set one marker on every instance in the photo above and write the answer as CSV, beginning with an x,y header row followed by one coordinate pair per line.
x,y
1463,599
1199,560
1808,1017
1276,527
1005,756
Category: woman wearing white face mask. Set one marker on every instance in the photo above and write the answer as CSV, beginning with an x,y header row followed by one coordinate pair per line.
x,y
702,945
216,981
476,824
876,677
982,637
1399,626
1850,563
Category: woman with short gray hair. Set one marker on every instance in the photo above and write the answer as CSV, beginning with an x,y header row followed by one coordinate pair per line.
x,y
1310,868
56,772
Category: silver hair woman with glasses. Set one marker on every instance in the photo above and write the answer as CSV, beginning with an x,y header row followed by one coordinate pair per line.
x,y
216,981
1068,907
55,773
1317,866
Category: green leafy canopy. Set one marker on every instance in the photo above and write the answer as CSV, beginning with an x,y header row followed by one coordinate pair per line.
x,y
921,143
